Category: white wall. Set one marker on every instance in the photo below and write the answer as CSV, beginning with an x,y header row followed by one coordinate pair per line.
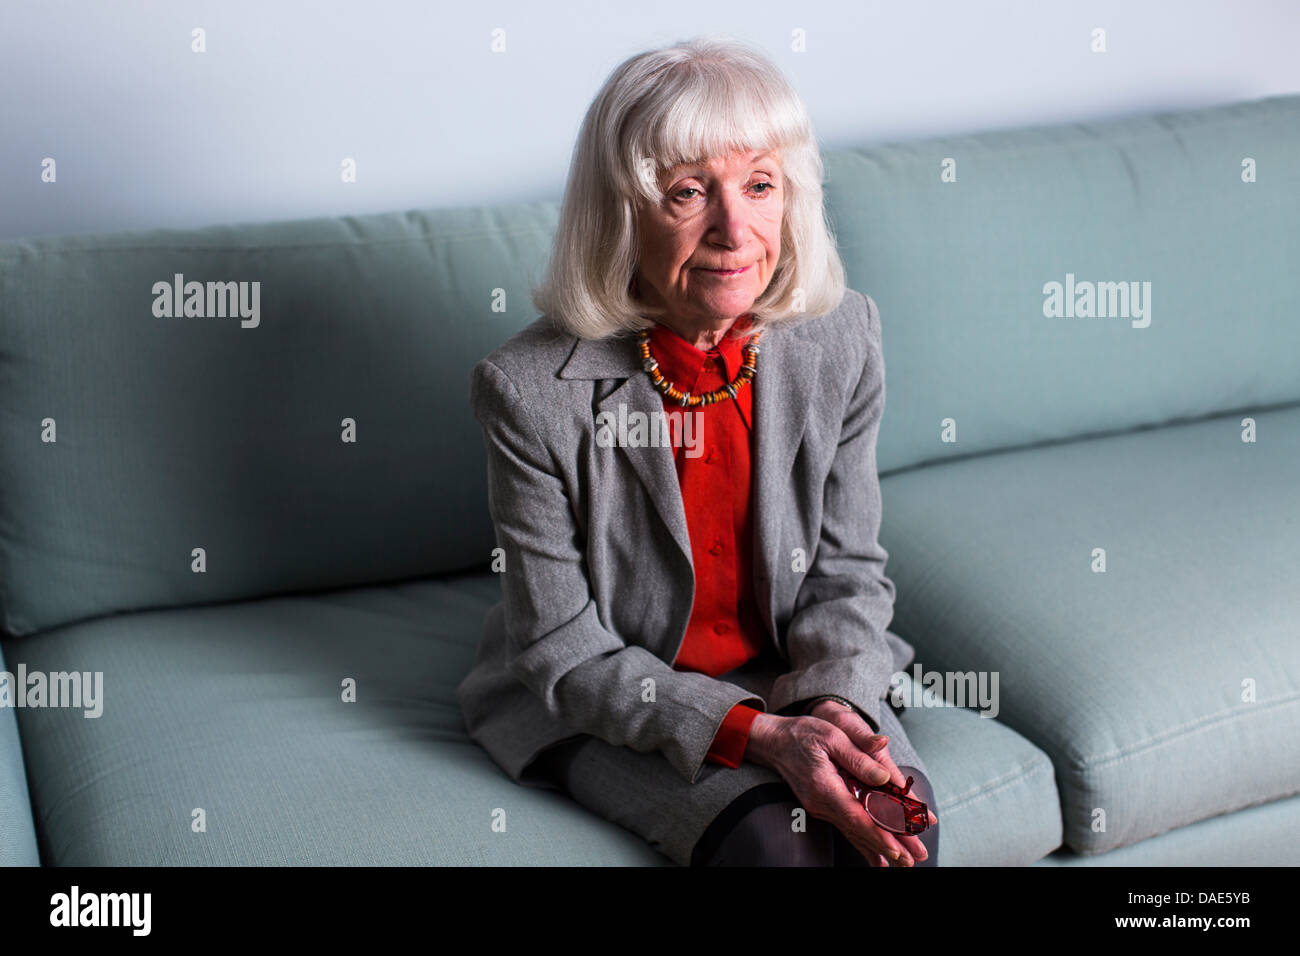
x,y
147,133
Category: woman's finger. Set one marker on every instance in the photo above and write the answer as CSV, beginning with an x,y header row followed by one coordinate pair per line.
x,y
869,742
863,766
852,819
874,745
857,729
883,757
914,846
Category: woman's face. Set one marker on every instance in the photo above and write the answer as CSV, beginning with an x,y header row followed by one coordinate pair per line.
x,y
722,215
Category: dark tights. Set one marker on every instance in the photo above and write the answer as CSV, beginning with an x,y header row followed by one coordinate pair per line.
x,y
756,831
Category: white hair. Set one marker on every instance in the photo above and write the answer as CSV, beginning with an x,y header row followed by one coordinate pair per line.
x,y
686,103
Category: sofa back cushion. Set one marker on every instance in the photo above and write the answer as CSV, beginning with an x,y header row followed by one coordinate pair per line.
x,y
957,238
321,437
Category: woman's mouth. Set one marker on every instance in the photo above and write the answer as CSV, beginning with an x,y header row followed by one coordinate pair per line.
x,y
726,272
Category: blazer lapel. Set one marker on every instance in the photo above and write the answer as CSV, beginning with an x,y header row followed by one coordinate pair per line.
x,y
613,358
787,374
788,367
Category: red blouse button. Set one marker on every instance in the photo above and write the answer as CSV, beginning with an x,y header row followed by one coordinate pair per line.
x,y
722,627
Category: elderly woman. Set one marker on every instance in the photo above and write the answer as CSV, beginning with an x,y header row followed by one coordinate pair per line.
x,y
692,639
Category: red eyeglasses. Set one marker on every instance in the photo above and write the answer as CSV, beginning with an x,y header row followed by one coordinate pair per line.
x,y
889,806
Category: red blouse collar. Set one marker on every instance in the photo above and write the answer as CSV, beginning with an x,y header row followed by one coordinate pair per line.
x,y
681,362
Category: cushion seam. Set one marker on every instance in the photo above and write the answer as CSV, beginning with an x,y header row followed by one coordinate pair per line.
x,y
1172,734
1022,772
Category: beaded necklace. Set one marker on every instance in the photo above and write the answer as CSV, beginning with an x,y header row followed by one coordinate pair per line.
x,y
746,372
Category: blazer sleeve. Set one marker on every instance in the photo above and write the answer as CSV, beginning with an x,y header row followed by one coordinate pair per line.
x,y
585,675
835,638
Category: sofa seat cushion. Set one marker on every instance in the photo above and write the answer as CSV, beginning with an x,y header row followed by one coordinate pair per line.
x,y
1166,690
1255,836
236,709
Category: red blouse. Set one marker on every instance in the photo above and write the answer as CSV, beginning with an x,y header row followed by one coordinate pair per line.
x,y
713,467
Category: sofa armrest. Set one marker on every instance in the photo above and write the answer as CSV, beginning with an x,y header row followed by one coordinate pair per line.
x,y
17,828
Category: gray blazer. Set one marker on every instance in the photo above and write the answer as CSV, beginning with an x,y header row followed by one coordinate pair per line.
x,y
598,581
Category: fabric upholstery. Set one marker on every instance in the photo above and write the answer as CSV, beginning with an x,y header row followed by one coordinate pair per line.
x,y
1166,689
1258,835
17,830
187,432
236,709
958,270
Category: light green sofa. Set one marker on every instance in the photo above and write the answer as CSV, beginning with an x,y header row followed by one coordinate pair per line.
x,y
324,460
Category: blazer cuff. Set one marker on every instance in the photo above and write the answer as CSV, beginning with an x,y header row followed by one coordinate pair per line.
x,y
693,751
797,690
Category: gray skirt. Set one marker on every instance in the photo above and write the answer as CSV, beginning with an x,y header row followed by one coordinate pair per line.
x,y
643,793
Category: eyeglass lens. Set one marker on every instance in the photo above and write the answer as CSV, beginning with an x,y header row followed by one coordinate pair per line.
x,y
887,812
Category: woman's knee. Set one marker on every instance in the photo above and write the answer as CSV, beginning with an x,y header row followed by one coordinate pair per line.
x,y
923,790
773,834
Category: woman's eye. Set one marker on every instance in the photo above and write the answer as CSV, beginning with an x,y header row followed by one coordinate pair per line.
x,y
770,187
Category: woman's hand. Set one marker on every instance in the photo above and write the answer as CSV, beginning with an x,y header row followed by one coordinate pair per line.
x,y
809,751
877,746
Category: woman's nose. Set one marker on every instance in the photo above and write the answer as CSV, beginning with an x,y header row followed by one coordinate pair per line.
x,y
730,220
